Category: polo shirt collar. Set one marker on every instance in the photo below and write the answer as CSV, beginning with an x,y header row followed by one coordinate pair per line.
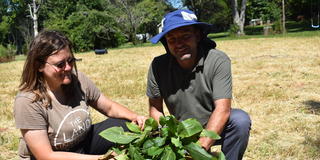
x,y
200,62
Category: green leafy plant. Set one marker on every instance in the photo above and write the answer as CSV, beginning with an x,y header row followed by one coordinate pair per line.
x,y
172,140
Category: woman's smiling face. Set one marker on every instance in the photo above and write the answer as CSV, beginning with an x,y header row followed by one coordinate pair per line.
x,y
57,69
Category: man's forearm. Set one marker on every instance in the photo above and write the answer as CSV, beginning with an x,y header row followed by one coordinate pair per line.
x,y
155,108
217,121
154,113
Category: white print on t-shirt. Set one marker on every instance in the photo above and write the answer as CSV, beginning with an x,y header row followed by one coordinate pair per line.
x,y
79,127
79,121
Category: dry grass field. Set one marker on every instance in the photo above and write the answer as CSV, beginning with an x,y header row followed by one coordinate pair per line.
x,y
276,80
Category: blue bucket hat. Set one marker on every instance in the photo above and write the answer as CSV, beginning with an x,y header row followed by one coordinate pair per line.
x,y
179,18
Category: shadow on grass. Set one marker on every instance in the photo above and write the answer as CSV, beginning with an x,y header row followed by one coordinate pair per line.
x,y
313,106
313,142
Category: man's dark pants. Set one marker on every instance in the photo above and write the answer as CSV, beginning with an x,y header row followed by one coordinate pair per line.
x,y
235,136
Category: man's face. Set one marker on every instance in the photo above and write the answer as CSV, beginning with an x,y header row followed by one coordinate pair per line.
x,y
183,43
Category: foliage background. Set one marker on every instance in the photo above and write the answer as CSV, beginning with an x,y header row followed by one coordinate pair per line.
x,y
110,23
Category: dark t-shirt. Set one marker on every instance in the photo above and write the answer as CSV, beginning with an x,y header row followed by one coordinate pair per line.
x,y
67,125
191,93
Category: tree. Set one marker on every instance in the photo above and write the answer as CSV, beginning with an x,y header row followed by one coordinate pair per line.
x,y
266,10
216,12
152,11
239,15
128,16
87,27
137,16
6,20
33,9
283,18
13,23
93,30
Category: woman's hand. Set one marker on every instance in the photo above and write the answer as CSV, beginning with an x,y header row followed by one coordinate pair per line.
x,y
140,120
108,156
115,110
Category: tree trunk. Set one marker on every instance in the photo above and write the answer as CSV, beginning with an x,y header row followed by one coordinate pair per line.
x,y
35,25
33,9
132,20
283,18
239,18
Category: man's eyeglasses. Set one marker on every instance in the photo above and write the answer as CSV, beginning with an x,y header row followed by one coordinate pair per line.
x,y
63,64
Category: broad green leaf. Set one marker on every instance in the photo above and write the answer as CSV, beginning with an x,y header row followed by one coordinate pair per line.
x,y
147,129
133,127
148,143
198,153
171,122
168,154
162,120
176,142
117,135
182,152
154,151
159,141
143,136
221,156
210,134
189,127
190,139
164,132
168,120
152,123
134,153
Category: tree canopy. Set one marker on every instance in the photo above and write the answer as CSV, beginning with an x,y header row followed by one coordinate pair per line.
x,y
110,23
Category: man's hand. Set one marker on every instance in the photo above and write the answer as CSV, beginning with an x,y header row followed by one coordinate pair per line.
x,y
206,142
140,120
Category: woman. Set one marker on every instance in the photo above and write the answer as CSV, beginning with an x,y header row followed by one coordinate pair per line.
x,y
52,107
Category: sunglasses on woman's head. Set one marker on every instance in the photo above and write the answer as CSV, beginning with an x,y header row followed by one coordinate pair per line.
x,y
63,64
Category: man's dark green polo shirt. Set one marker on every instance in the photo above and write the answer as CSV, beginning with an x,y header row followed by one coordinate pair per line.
x,y
190,94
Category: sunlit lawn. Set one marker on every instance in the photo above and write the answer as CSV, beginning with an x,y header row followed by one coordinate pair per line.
x,y
276,80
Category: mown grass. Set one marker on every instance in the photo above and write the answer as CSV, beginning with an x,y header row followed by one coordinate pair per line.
x,y
276,80
294,29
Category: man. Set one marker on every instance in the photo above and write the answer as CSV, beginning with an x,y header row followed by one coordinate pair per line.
x,y
194,80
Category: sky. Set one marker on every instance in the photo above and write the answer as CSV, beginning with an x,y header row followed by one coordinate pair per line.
x,y
176,3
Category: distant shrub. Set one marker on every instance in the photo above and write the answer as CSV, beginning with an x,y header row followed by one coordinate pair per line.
x,y
6,54
3,51
233,30
277,26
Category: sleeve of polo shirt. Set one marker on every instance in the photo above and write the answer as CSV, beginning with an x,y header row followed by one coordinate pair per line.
x,y
153,90
222,79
